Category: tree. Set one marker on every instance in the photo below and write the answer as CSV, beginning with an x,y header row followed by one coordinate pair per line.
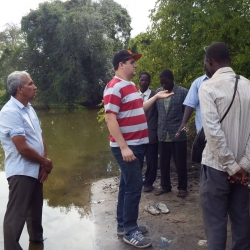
x,y
70,47
117,21
12,49
181,29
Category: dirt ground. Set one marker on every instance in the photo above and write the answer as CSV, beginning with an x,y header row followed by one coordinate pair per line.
x,y
181,229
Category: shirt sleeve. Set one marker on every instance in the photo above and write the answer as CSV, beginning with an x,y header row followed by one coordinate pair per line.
x,y
11,123
192,98
112,100
245,160
214,134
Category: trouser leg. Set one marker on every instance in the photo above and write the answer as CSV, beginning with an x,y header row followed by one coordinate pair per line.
x,y
152,163
214,195
165,157
131,185
34,217
238,209
120,203
179,150
20,194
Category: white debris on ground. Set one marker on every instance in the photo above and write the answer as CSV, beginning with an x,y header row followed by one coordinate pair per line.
x,y
202,243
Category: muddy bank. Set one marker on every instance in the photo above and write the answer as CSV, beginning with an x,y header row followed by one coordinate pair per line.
x,y
181,229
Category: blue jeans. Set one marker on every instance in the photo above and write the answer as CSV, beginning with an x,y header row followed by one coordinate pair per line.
x,y
130,187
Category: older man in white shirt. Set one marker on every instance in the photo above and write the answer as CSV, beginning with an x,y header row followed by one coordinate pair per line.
x,y
26,163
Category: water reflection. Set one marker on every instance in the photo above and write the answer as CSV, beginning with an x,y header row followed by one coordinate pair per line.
x,y
79,148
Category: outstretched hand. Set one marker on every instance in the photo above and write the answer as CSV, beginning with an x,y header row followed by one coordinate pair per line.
x,y
164,94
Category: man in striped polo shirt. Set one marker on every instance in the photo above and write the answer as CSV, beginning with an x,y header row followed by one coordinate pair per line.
x,y
127,123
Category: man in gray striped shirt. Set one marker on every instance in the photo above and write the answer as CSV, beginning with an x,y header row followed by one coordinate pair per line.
x,y
226,157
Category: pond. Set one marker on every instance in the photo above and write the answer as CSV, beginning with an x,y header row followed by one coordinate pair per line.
x,y
79,147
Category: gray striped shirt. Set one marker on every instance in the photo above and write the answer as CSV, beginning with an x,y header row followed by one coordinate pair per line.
x,y
228,143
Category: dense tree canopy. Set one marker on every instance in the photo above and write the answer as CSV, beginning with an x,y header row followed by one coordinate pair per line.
x,y
67,46
12,47
70,46
181,29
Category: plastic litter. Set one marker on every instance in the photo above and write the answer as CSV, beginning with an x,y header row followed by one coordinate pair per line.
x,y
97,201
164,242
202,243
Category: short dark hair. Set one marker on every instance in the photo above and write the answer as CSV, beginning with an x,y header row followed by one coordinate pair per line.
x,y
167,73
218,51
145,73
124,61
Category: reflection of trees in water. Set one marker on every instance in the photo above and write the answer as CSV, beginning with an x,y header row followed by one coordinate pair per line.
x,y
84,212
79,148
72,186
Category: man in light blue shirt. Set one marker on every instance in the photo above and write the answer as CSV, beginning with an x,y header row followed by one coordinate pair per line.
x,y
192,102
26,163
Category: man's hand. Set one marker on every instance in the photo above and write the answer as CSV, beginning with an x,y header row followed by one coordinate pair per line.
x,y
127,154
163,94
47,164
181,128
43,175
240,177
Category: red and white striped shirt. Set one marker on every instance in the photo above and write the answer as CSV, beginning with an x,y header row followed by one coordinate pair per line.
x,y
122,99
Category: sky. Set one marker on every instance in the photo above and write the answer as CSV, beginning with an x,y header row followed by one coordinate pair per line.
x,y
12,11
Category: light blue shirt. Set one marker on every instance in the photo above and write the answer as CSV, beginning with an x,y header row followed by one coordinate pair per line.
x,y
192,100
18,120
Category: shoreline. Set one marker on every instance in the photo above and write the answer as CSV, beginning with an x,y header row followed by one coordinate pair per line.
x,y
180,229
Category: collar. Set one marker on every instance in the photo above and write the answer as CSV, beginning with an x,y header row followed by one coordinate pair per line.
x,y
174,88
146,93
223,70
204,77
19,104
122,79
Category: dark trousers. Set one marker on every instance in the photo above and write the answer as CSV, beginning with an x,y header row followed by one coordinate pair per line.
x,y
179,152
130,187
24,205
151,154
219,198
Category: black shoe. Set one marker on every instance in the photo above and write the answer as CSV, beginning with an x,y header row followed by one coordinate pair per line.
x,y
36,246
148,189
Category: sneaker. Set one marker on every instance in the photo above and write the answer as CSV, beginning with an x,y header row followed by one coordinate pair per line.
x,y
137,240
141,229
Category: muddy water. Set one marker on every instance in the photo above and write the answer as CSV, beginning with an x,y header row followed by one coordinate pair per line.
x,y
79,148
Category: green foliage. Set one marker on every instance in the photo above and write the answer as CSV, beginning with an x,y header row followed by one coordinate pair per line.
x,y
181,29
149,62
101,113
12,49
70,46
